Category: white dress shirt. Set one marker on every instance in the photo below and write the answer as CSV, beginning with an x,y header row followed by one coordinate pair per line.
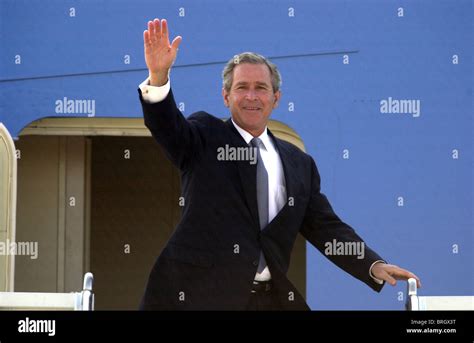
x,y
271,160
154,94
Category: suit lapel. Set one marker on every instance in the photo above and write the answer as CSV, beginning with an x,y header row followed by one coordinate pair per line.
x,y
289,166
292,180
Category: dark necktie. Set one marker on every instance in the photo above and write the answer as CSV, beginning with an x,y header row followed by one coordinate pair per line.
x,y
262,195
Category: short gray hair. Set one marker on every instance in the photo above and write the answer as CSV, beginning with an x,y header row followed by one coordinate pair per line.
x,y
252,58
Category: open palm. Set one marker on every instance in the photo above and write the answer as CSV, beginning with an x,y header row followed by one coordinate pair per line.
x,y
159,53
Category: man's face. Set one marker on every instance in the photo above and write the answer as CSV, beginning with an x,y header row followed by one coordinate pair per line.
x,y
251,98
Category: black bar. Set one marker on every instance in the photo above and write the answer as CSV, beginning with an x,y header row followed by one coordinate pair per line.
x,y
450,326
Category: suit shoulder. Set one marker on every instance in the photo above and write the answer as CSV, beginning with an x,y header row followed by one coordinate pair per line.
x,y
292,149
296,153
205,118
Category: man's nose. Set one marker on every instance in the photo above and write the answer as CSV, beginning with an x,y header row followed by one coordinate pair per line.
x,y
251,94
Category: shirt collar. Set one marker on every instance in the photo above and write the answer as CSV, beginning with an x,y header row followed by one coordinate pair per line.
x,y
264,137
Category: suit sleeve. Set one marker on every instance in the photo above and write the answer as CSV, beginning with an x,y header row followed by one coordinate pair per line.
x,y
322,227
181,138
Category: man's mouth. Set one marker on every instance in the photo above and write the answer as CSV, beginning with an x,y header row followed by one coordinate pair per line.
x,y
248,108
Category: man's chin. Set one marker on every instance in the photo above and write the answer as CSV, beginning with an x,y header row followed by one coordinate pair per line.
x,y
252,125
253,121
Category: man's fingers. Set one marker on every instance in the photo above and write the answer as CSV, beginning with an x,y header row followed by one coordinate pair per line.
x,y
418,282
400,273
403,274
387,277
390,273
176,42
146,37
164,29
151,29
157,26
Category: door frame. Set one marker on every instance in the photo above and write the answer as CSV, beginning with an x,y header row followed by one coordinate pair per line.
x,y
126,127
8,175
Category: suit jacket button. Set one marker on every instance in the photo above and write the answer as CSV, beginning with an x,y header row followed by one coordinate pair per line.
x,y
255,263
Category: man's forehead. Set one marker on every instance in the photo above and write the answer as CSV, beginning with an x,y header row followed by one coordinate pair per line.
x,y
252,73
259,67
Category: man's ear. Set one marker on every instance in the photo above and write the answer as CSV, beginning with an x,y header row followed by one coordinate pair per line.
x,y
277,99
225,96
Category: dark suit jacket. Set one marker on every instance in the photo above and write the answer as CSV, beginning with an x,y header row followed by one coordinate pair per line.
x,y
211,259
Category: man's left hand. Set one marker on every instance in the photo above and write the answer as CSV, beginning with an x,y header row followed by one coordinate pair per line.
x,y
391,273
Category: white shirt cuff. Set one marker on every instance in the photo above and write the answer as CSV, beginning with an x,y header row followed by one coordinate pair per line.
x,y
372,276
152,94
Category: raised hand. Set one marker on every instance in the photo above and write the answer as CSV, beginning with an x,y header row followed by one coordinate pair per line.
x,y
159,53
